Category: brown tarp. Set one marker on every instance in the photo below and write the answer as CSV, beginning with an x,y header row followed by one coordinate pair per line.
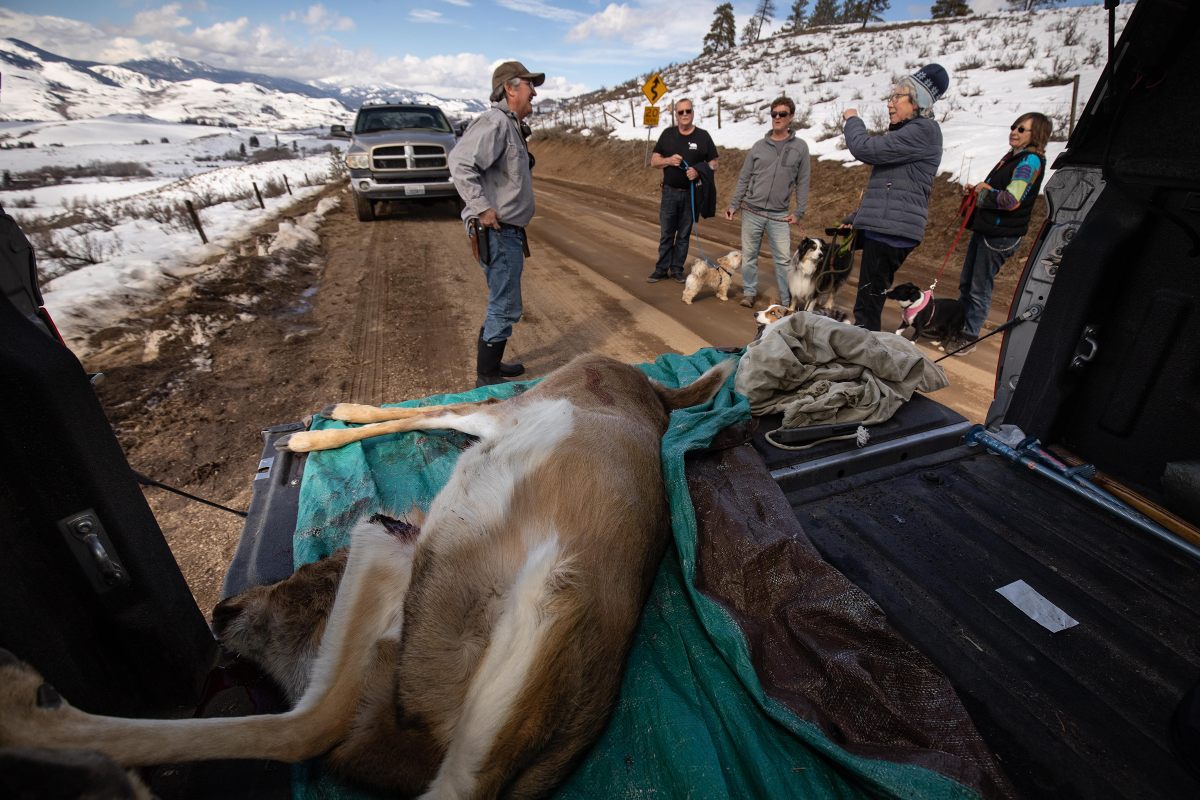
x,y
819,644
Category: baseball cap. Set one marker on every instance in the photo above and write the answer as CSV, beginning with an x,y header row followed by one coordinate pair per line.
x,y
514,69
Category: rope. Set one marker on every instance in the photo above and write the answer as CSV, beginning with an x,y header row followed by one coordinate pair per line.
x,y
861,434
142,479
965,208
999,329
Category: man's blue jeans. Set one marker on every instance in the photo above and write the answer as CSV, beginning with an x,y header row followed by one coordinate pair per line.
x,y
985,256
504,282
674,228
780,238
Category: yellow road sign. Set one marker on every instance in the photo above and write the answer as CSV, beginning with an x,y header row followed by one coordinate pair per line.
x,y
650,116
654,88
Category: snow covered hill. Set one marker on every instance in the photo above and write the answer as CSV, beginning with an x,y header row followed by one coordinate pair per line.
x,y
1000,65
44,86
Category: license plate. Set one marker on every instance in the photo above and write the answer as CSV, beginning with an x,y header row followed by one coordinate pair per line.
x,y
414,189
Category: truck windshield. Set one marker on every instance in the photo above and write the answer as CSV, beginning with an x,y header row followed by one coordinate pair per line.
x,y
393,119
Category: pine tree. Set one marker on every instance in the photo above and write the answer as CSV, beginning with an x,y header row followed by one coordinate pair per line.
x,y
865,10
796,17
753,29
942,9
825,12
723,33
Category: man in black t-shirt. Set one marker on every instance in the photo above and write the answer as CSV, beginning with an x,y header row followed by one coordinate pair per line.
x,y
679,149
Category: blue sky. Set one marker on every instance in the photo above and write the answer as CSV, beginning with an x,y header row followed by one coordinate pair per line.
x,y
448,47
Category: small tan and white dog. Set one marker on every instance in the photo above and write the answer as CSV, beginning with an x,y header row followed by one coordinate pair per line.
x,y
476,655
717,277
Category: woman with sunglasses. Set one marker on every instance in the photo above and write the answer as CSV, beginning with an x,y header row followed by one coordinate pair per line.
x,y
1003,206
890,220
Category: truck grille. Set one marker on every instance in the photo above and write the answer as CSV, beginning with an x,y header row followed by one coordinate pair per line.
x,y
394,157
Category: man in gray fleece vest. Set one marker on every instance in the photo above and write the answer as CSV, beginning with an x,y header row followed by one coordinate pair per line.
x,y
777,165
890,220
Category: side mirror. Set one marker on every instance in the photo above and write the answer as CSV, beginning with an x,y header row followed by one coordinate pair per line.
x,y
339,132
460,127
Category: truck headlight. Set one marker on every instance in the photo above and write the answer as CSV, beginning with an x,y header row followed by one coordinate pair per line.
x,y
358,161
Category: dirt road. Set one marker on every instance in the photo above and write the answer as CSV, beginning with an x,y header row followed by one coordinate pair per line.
x,y
386,311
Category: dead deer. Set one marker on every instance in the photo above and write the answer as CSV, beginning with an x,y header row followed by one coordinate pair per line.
x,y
476,653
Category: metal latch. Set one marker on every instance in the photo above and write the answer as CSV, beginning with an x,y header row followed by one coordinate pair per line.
x,y
94,551
1087,348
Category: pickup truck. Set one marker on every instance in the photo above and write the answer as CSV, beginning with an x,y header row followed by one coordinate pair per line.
x,y
398,152
1080,677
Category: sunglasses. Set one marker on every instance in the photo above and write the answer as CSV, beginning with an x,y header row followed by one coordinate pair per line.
x,y
1021,129
780,114
683,111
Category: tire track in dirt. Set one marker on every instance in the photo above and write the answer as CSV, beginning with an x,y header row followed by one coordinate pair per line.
x,y
409,311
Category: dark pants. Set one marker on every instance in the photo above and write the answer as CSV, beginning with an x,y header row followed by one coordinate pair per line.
x,y
674,229
879,264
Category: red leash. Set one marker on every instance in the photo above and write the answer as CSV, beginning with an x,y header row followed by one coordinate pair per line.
x,y
964,209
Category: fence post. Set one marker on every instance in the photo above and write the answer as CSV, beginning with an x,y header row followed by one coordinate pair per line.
x,y
287,185
258,194
1074,100
196,221
632,115
718,112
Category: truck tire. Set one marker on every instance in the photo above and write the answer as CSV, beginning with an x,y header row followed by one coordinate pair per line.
x,y
365,208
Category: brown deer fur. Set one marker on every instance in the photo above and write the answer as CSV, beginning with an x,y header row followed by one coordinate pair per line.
x,y
477,656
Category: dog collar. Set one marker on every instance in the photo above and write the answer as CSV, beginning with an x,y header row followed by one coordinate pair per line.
x,y
911,312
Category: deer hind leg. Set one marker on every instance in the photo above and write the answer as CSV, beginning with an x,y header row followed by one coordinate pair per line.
x,y
368,609
355,412
478,422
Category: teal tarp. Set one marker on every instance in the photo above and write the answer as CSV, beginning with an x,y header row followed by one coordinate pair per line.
x,y
692,720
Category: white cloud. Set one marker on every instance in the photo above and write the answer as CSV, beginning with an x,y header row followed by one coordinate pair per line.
x,y
425,15
615,21
222,37
543,10
319,18
651,26
158,21
460,3
58,35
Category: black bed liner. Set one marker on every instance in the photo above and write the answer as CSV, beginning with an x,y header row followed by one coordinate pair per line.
x,y
1084,712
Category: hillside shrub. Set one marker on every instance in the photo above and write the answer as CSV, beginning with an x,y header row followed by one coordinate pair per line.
x,y
271,154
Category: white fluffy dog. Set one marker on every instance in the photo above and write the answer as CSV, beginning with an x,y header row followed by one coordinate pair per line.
x,y
717,278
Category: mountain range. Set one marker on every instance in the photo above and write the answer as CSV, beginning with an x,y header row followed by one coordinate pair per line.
x,y
40,85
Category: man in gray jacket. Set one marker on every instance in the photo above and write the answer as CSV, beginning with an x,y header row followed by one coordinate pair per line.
x,y
491,169
895,207
777,165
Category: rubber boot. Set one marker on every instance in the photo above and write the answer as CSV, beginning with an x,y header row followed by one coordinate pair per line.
x,y
508,370
487,363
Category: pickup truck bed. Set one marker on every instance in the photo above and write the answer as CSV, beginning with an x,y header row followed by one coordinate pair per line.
x,y
1079,713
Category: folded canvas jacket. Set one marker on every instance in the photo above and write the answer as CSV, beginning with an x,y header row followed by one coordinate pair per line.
x,y
819,371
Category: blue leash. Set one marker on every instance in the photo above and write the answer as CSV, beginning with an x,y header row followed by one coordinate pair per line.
x,y
696,218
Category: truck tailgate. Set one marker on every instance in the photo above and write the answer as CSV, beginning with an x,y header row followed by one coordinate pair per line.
x,y
1084,712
